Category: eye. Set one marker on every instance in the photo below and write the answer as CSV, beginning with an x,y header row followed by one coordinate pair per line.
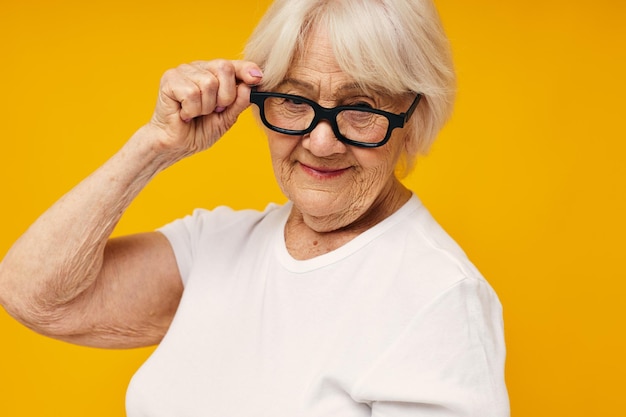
x,y
360,103
294,101
295,105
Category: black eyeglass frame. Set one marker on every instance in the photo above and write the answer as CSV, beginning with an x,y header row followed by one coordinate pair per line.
x,y
330,115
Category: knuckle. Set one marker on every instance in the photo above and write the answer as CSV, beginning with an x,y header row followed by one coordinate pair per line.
x,y
225,66
208,83
169,75
189,93
200,64
185,67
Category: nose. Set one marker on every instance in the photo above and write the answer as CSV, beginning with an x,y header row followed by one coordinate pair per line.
x,y
322,141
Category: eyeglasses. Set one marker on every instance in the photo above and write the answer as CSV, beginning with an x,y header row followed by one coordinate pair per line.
x,y
360,126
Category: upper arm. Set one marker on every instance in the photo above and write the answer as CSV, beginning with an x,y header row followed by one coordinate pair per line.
x,y
134,298
449,361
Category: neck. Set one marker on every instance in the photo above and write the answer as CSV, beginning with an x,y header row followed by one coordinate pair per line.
x,y
307,237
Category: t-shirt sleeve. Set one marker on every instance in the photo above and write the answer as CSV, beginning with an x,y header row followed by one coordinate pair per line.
x,y
193,235
197,232
182,235
449,361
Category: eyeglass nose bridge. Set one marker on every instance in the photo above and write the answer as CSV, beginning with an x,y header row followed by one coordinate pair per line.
x,y
330,115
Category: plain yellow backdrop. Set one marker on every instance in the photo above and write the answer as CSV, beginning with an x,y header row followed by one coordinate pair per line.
x,y
528,176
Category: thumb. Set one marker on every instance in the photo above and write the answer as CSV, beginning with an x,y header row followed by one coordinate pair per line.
x,y
239,105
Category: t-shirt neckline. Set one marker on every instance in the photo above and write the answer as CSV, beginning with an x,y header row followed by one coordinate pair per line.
x,y
304,266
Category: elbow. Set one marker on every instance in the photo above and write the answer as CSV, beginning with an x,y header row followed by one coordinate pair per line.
x,y
4,291
50,322
28,309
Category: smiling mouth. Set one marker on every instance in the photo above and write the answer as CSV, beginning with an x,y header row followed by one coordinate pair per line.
x,y
323,172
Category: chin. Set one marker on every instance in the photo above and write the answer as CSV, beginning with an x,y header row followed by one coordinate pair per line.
x,y
335,207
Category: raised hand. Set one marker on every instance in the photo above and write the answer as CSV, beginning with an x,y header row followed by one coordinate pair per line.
x,y
198,103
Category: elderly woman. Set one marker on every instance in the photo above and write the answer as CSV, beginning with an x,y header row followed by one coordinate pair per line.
x,y
349,300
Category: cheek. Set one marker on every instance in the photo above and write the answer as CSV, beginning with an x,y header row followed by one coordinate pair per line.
x,y
279,149
381,161
376,170
281,152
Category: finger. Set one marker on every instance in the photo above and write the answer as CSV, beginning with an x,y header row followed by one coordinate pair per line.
x,y
179,95
227,118
245,71
248,72
241,102
202,100
229,74
227,91
204,87
232,74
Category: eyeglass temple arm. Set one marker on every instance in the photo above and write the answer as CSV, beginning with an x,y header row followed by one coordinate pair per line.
x,y
411,109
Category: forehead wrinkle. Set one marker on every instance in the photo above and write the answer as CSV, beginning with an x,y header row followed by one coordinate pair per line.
x,y
330,95
315,69
296,82
350,87
345,88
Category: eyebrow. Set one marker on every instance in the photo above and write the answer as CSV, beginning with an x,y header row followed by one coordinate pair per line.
x,y
353,86
299,83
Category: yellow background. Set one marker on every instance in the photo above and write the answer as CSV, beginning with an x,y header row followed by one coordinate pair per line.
x,y
528,176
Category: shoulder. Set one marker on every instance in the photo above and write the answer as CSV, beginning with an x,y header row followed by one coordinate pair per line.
x,y
222,224
451,325
423,253
219,219
209,234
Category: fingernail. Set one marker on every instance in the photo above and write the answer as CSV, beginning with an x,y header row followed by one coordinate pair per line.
x,y
219,109
256,73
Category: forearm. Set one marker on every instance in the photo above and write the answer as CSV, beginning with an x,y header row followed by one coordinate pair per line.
x,y
61,254
57,278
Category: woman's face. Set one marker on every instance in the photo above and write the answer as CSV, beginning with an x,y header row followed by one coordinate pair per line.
x,y
333,185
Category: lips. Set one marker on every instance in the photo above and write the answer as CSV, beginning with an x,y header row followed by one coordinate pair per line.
x,y
323,172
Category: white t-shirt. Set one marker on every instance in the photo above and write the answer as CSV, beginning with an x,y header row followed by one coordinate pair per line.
x,y
395,323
